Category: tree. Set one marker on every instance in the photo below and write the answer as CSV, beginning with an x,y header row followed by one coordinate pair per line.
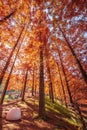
x,y
47,23
25,82
9,58
51,94
67,85
7,81
73,53
41,86
62,84
33,83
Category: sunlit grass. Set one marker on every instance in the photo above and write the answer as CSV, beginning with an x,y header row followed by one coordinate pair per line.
x,y
56,107
62,110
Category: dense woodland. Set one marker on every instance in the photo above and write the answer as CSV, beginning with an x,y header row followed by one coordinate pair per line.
x,y
43,51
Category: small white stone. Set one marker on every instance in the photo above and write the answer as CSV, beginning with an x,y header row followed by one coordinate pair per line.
x,y
14,114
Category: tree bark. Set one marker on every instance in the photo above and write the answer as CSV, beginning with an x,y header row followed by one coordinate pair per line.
x,y
9,58
67,85
35,90
51,94
62,85
33,84
7,81
24,87
41,86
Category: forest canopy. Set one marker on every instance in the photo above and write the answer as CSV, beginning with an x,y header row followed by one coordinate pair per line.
x,y
44,39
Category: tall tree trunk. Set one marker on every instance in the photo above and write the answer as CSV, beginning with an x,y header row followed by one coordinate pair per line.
x,y
73,53
62,85
33,84
35,90
7,81
67,85
51,94
1,118
9,58
41,86
24,87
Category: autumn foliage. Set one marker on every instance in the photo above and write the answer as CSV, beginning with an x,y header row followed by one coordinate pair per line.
x,y
56,29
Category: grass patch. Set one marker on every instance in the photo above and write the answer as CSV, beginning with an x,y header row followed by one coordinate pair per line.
x,y
56,107
63,111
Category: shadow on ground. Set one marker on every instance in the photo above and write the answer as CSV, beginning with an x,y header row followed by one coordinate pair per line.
x,y
28,122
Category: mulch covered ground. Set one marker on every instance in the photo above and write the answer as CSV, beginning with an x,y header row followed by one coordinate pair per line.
x,y
28,122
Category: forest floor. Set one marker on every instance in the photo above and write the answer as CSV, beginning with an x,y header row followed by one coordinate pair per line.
x,y
29,110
